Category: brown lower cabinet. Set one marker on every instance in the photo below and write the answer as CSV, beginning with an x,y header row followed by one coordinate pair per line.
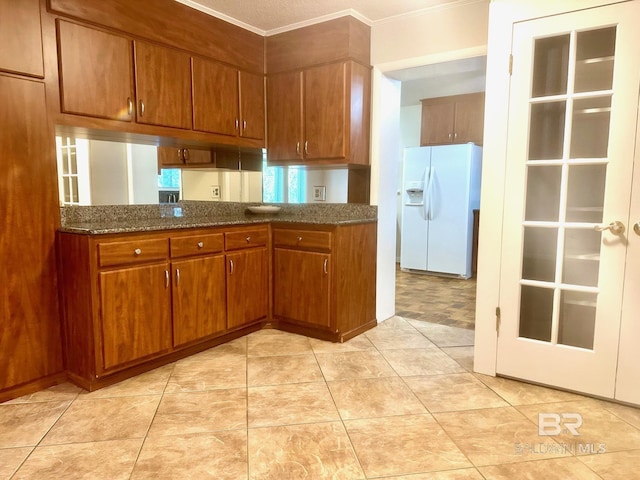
x,y
134,301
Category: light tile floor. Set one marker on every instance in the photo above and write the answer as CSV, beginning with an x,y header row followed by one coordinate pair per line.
x,y
398,402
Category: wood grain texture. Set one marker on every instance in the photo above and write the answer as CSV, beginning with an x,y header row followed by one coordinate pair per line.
x,y
339,39
358,185
246,238
170,157
359,133
215,97
252,105
96,72
302,239
199,298
172,23
247,286
284,117
21,38
355,273
163,86
452,119
197,244
131,251
302,286
30,344
325,112
135,305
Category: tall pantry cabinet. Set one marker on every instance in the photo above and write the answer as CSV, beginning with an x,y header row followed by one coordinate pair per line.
x,y
30,347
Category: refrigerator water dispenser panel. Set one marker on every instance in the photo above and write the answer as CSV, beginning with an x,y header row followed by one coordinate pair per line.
x,y
415,193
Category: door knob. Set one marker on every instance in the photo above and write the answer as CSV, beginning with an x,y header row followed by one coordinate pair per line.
x,y
636,228
616,227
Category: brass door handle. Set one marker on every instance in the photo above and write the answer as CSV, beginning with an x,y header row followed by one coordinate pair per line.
x,y
616,227
636,228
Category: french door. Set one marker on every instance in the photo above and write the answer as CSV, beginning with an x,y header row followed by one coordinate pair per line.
x,y
568,244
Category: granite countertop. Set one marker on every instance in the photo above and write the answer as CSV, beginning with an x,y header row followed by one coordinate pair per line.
x,y
192,214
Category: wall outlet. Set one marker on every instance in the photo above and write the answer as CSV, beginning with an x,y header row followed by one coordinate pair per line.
x,y
215,191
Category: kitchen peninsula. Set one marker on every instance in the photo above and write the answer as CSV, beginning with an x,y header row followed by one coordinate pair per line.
x,y
144,285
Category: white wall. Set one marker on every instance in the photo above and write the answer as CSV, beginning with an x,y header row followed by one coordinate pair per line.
x,y
108,173
335,182
438,35
234,186
143,173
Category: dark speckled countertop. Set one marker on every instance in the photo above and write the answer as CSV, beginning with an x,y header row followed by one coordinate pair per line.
x,y
96,220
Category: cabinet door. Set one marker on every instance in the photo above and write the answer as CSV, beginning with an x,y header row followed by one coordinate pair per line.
x,y
95,72
20,37
196,156
301,283
437,123
325,111
251,105
30,331
247,286
163,86
215,97
199,301
136,313
469,121
284,121
170,157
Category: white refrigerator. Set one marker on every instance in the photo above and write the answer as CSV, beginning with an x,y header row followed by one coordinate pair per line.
x,y
441,188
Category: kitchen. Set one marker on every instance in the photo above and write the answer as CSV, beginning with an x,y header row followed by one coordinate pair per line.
x,y
379,190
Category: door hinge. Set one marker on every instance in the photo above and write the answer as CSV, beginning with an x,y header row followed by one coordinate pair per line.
x,y
510,64
498,319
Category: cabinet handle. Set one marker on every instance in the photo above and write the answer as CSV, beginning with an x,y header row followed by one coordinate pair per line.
x,y
636,228
230,267
298,148
185,154
130,105
455,135
137,251
200,244
449,136
177,277
299,239
166,279
248,239
244,124
324,267
141,108
306,147
237,124
179,154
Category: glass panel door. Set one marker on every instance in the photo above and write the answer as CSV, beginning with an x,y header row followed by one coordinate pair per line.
x,y
568,176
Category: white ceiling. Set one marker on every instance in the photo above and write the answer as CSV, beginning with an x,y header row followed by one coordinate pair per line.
x,y
267,17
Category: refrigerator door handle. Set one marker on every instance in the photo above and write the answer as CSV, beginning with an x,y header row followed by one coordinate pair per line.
x,y
429,194
425,193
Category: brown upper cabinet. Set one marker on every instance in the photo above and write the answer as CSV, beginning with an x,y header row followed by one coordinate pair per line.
x,y
181,156
96,72
453,119
227,101
20,32
319,115
163,85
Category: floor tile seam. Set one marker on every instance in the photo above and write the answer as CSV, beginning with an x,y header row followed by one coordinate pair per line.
x,y
580,459
53,424
622,418
535,460
153,436
153,417
24,460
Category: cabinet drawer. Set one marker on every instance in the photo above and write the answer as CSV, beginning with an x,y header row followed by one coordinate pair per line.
x,y
132,251
196,244
306,239
245,239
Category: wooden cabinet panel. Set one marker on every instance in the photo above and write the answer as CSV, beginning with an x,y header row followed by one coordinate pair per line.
x,y
247,286
215,97
95,72
135,305
199,298
284,119
454,119
163,86
183,156
302,239
132,251
21,37
251,105
30,333
302,281
325,111
196,244
246,238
